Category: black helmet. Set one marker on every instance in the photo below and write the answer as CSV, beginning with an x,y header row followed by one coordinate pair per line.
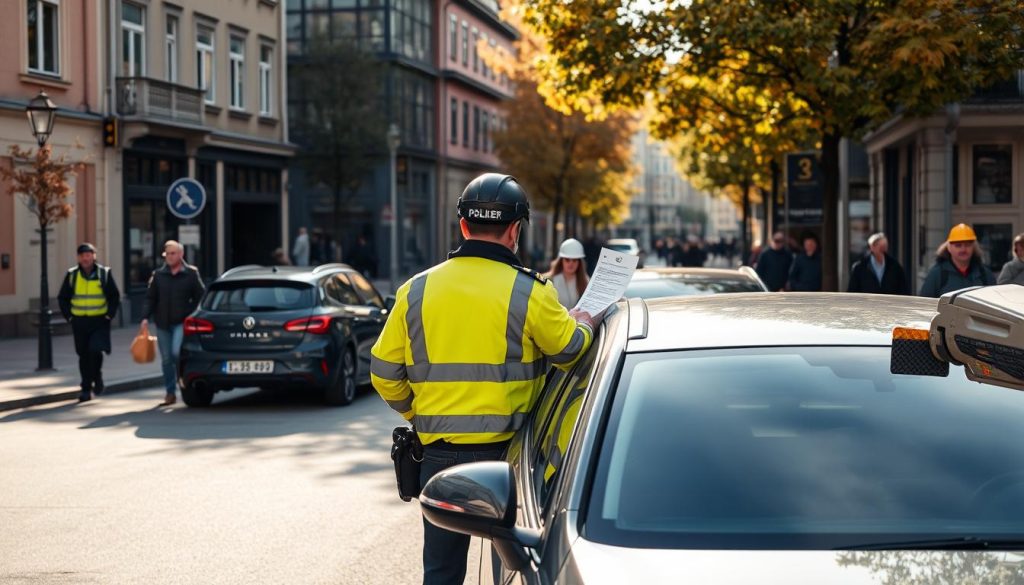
x,y
494,198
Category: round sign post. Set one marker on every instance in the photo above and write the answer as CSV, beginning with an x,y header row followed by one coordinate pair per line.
x,y
186,199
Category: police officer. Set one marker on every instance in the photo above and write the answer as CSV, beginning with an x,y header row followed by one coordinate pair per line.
x,y
465,349
89,299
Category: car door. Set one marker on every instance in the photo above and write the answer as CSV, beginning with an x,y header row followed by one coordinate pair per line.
x,y
540,462
365,311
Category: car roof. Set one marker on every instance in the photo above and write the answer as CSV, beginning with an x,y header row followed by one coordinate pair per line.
x,y
697,273
771,319
289,273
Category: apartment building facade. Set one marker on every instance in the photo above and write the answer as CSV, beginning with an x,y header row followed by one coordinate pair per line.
x,y
440,93
54,46
199,91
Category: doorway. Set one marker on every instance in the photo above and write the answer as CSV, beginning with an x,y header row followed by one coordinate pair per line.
x,y
255,233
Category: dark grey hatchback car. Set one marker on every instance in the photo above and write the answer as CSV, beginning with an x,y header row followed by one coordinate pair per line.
x,y
282,327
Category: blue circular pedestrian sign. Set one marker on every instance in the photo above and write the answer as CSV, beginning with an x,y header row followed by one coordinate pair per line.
x,y
186,198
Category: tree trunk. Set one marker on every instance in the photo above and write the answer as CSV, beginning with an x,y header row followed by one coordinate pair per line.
x,y
556,211
745,185
829,209
764,213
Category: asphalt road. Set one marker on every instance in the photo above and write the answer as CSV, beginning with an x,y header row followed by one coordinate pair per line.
x,y
260,488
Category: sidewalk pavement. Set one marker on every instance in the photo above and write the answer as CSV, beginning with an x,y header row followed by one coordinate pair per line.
x,y
21,385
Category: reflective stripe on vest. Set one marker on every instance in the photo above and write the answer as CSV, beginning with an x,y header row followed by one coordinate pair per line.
x,y
88,300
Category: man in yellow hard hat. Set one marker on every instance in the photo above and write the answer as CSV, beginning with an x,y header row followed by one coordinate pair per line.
x,y
958,264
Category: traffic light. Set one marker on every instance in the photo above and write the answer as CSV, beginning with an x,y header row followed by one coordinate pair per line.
x,y
110,131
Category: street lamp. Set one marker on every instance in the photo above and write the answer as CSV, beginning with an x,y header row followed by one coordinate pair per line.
x,y
41,112
394,139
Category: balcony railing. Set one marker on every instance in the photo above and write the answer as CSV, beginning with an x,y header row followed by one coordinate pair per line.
x,y
160,100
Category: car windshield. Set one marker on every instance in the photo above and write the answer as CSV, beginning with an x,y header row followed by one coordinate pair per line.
x,y
258,296
671,286
804,448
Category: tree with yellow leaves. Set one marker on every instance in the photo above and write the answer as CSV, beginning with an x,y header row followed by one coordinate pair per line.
x,y
850,64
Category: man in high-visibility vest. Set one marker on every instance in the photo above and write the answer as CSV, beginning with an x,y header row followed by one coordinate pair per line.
x,y
464,351
89,299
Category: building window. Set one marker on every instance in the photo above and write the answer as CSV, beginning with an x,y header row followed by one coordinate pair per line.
x,y
206,73
411,25
454,121
236,57
171,49
476,127
992,173
476,50
494,47
465,43
483,62
485,121
266,79
43,37
465,124
133,40
453,37
416,102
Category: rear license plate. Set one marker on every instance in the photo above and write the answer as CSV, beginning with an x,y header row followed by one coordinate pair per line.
x,y
249,367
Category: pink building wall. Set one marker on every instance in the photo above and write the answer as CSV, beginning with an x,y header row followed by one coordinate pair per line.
x,y
78,86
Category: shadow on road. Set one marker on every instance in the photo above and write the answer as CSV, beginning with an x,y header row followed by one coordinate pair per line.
x,y
248,423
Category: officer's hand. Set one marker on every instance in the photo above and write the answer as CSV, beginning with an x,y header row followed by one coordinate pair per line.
x,y
586,318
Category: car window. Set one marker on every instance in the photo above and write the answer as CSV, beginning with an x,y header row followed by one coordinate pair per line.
x,y
245,297
669,287
803,448
366,290
552,440
340,289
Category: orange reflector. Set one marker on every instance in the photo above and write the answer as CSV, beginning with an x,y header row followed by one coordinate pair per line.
x,y
909,334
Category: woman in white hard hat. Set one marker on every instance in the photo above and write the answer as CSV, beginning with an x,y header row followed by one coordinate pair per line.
x,y
569,272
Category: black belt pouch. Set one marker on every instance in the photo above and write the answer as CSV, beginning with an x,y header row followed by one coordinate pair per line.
x,y
407,453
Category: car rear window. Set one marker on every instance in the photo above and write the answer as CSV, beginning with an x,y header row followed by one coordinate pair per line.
x,y
233,297
804,448
670,287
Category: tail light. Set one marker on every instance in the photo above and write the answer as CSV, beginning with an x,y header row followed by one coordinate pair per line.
x,y
315,325
195,325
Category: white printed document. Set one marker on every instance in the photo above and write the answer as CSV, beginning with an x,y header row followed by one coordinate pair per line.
x,y
611,277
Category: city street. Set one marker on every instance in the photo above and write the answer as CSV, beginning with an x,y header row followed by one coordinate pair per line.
x,y
260,488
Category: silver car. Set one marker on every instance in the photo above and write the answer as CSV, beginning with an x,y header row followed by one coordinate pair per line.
x,y
751,438
653,283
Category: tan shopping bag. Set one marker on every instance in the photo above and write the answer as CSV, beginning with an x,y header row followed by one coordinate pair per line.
x,y
144,346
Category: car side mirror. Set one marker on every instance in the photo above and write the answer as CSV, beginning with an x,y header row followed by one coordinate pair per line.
x,y
389,302
479,499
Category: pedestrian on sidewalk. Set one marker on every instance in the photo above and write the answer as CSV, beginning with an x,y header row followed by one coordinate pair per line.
x,y
773,263
805,271
89,299
878,272
958,264
173,292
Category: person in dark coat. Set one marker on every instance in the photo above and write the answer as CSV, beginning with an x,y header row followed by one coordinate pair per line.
x,y
805,272
174,291
878,272
363,258
958,264
89,299
1013,271
773,263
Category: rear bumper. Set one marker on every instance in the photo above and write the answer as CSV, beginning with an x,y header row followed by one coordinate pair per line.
x,y
302,366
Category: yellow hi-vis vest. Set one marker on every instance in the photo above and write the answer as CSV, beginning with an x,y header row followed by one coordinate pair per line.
x,y
88,300
464,351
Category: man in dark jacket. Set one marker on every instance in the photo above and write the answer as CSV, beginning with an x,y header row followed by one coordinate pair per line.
x,y
773,263
174,292
89,299
805,273
878,272
958,264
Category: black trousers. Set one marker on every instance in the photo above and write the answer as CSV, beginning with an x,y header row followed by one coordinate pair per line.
x,y
90,334
445,553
